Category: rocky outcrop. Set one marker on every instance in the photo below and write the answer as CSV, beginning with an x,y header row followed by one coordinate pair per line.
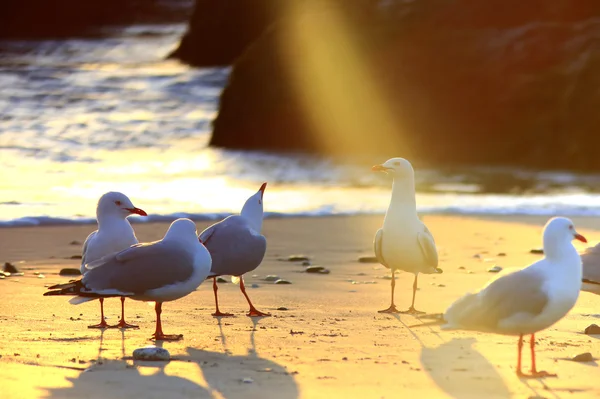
x,y
40,19
220,31
464,81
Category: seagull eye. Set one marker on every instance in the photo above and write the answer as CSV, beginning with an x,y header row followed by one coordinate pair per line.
x,y
571,227
118,203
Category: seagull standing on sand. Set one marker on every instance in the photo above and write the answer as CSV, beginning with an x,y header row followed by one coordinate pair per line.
x,y
591,270
529,300
237,246
160,271
114,234
404,242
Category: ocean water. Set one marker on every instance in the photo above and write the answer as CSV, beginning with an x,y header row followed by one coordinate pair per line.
x,y
82,117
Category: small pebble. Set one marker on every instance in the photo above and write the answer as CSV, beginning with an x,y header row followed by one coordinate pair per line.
x,y
477,256
221,280
247,380
306,263
368,259
461,268
41,276
297,258
75,242
10,268
316,269
501,254
69,271
75,257
441,285
592,329
255,285
271,277
282,308
255,276
151,353
282,281
2,276
495,269
583,357
537,251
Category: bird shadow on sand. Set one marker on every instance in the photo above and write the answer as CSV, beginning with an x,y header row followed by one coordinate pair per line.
x,y
224,376
458,369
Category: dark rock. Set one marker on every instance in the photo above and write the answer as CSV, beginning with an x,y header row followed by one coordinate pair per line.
x,y
69,271
583,357
221,280
282,308
494,66
592,329
495,269
537,251
76,257
306,263
10,268
65,18
501,254
75,242
316,269
298,258
368,259
254,286
282,281
271,277
151,353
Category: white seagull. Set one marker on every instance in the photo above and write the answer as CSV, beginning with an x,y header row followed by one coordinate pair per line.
x,y
404,242
161,271
528,300
237,246
114,234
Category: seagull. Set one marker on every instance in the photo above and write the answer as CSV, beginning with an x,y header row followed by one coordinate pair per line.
x,y
161,271
591,270
237,246
114,234
528,300
404,242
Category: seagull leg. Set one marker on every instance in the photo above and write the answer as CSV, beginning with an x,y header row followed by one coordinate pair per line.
x,y
412,309
218,312
253,311
392,308
102,323
533,373
158,334
122,323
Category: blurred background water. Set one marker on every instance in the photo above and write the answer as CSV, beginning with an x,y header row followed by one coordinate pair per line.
x,y
82,117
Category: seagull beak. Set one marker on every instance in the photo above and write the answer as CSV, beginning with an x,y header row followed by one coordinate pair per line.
x,y
137,211
262,189
580,238
379,168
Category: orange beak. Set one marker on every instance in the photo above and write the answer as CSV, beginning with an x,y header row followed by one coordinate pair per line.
x,y
137,211
580,238
379,168
262,189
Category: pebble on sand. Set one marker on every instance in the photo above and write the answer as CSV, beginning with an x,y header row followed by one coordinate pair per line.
x,y
69,271
76,257
368,259
592,329
306,263
151,353
282,281
75,242
537,251
221,280
316,269
247,380
297,258
495,269
10,268
271,277
583,357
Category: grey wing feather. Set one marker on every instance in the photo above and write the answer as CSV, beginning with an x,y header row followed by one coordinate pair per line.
x,y
207,233
377,247
141,268
235,248
591,264
510,295
428,248
85,246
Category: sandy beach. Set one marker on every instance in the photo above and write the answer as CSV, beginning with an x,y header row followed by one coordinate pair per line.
x,y
324,340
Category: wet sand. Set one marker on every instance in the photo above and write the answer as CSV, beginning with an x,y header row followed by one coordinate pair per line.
x,y
329,342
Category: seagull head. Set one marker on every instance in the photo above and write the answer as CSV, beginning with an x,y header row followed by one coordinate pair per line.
x,y
182,229
117,204
253,208
398,167
558,233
